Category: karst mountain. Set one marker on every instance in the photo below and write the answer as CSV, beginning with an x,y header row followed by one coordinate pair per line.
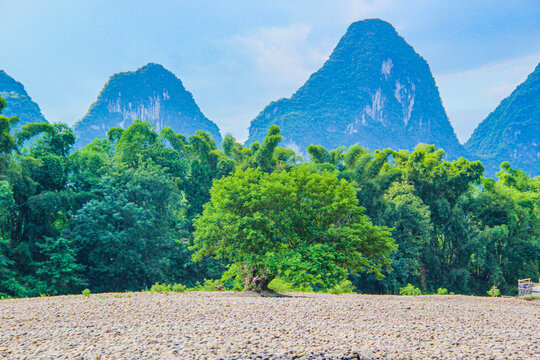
x,y
374,90
512,131
151,93
19,103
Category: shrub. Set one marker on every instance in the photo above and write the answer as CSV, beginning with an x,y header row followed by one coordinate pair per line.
x,y
167,288
178,288
160,288
208,285
344,287
442,291
86,292
410,290
281,286
494,291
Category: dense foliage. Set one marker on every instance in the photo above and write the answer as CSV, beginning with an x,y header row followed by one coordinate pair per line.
x,y
141,207
304,227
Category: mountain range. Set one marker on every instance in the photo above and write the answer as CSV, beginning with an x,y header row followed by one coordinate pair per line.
x,y
374,90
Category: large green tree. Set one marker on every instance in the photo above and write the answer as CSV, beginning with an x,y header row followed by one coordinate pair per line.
x,y
304,227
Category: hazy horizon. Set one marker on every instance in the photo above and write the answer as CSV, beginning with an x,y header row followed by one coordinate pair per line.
x,y
237,58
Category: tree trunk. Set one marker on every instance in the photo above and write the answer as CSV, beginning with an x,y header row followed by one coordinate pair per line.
x,y
261,287
259,283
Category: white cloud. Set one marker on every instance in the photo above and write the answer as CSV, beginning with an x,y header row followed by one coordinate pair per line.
x,y
282,55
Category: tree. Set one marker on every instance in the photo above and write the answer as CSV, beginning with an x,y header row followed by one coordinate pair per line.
x,y
505,215
203,169
59,272
126,238
50,139
304,227
8,283
442,185
8,143
88,165
264,157
135,142
409,219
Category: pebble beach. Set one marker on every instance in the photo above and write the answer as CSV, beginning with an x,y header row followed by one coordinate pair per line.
x,y
223,325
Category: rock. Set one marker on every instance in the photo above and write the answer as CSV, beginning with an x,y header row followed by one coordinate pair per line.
x,y
231,326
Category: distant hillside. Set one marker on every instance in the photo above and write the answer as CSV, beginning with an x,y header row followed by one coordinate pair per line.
x,y
374,90
512,132
19,103
151,93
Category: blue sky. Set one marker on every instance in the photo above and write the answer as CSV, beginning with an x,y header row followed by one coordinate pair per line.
x,y
237,56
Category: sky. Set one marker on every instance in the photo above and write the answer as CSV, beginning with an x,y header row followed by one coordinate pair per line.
x,y
235,57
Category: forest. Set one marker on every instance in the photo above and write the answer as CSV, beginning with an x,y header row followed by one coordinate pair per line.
x,y
141,207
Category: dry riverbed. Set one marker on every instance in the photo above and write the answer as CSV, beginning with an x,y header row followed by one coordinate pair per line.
x,y
231,326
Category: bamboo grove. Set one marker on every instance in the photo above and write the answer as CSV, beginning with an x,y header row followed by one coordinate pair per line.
x,y
141,207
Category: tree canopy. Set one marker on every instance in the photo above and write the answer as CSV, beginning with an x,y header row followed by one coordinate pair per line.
x,y
139,206
302,226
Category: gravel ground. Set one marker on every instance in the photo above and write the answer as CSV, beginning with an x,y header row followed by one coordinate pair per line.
x,y
233,326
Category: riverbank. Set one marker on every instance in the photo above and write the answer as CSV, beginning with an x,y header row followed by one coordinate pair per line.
x,y
199,325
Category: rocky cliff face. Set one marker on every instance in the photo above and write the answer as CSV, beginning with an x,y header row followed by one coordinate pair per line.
x,y
512,131
374,90
19,103
151,93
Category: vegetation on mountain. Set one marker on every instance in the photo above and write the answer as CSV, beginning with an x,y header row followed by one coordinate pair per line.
x,y
140,207
512,131
374,91
20,104
151,93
